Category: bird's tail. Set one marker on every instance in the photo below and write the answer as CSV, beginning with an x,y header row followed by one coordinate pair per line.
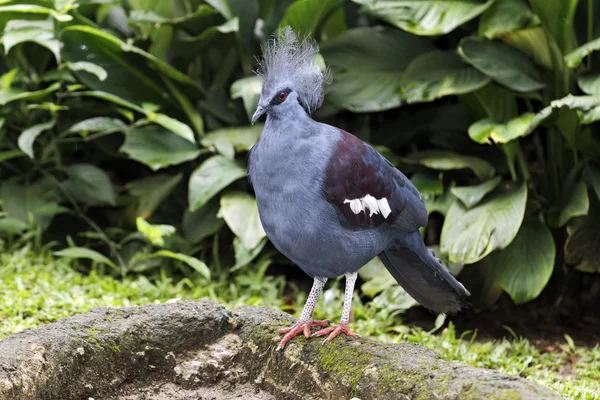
x,y
422,275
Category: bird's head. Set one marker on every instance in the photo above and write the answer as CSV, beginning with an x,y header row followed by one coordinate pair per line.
x,y
292,81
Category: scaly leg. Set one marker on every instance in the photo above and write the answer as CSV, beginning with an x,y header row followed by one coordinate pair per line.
x,y
305,323
342,327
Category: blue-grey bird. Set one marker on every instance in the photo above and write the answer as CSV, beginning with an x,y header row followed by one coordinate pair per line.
x,y
330,202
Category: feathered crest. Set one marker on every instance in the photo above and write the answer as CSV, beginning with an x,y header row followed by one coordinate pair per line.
x,y
287,60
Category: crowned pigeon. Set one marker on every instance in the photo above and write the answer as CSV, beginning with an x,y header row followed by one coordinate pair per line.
x,y
330,202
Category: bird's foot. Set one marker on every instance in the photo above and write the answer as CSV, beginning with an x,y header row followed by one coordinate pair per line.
x,y
297,328
335,331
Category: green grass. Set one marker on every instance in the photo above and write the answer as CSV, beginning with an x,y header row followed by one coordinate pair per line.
x,y
40,289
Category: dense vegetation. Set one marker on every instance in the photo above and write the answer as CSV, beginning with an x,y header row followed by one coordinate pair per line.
x,y
124,128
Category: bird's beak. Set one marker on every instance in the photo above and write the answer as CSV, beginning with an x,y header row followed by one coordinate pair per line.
x,y
257,114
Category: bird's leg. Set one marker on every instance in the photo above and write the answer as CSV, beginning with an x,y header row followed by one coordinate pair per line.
x,y
342,327
305,323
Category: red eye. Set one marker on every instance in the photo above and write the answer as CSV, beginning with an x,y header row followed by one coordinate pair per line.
x,y
282,96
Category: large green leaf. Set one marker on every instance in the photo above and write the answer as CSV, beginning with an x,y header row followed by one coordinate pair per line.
x,y
425,17
229,140
575,57
89,184
437,74
30,12
533,42
305,16
203,222
193,262
244,256
468,235
581,247
557,19
96,124
28,136
210,178
472,195
590,84
9,94
157,148
577,204
447,160
503,63
246,11
486,130
30,203
82,252
368,64
524,267
506,16
152,191
241,215
584,105
39,32
493,102
248,89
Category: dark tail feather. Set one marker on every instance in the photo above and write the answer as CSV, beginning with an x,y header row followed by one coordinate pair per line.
x,y
423,277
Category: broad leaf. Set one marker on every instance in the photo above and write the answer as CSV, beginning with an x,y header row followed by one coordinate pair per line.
x,y
481,282
27,203
12,226
248,89
92,68
590,84
584,105
82,252
486,130
577,204
472,195
154,233
39,32
504,64
574,58
305,16
244,256
581,247
446,161
8,94
557,18
203,222
437,74
468,235
427,183
394,299
96,124
157,148
368,64
152,191
28,136
175,126
213,175
493,102
89,184
533,42
193,262
425,17
592,175
240,212
229,140
506,16
525,266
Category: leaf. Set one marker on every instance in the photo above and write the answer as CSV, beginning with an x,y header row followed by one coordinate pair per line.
x,y
468,235
446,160
485,129
111,98
89,184
12,226
229,140
203,222
472,195
425,17
193,262
154,233
378,283
32,11
394,299
248,89
39,32
437,74
10,154
481,282
213,175
581,104
92,68
175,126
96,124
28,136
581,247
82,252
590,84
524,267
152,191
8,94
575,57
534,43
305,16
26,203
366,77
557,19
504,64
592,175
506,16
427,183
244,256
240,212
577,205
157,148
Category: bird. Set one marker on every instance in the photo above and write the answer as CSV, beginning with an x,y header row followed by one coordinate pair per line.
x,y
330,202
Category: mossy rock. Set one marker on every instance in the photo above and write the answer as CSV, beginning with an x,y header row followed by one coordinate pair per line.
x,y
198,349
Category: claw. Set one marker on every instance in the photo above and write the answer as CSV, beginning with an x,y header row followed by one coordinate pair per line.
x,y
335,331
299,327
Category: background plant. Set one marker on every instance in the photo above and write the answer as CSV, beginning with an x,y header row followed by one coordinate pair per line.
x,y
124,128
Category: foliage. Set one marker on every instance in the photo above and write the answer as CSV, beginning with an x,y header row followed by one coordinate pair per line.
x,y
39,289
125,124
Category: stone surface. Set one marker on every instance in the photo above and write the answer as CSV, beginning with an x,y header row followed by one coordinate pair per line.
x,y
200,350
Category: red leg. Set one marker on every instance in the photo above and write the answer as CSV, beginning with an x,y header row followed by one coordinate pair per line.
x,y
297,328
335,331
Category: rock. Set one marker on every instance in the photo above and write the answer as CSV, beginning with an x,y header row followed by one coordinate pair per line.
x,y
200,350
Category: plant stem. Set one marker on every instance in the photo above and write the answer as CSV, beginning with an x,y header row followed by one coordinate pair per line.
x,y
590,29
522,163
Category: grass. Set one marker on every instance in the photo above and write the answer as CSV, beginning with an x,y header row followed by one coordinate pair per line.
x,y
37,289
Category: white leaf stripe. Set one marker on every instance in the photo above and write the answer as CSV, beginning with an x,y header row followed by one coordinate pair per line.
x,y
375,206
